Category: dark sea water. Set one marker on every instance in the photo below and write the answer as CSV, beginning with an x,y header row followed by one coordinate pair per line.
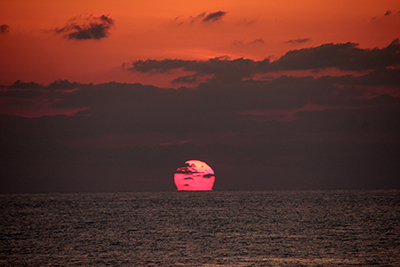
x,y
265,228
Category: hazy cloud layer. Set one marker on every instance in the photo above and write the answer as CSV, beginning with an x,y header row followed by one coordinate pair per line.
x,y
274,166
352,143
23,85
213,107
95,28
221,67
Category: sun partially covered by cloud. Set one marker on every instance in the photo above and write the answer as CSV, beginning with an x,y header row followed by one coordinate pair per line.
x,y
91,28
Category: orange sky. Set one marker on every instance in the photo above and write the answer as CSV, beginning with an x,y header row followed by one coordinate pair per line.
x,y
31,51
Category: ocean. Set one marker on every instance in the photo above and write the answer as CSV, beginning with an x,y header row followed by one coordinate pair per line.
x,y
216,228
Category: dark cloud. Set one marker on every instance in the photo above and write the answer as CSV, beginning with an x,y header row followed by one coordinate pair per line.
x,y
377,77
22,94
135,108
23,85
387,14
198,17
186,79
345,56
56,85
257,41
27,91
221,67
376,119
317,144
298,41
4,28
341,56
63,85
214,16
97,28
202,17
283,165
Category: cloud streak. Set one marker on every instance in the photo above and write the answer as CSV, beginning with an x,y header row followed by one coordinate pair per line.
x,y
298,41
201,18
214,16
97,28
255,41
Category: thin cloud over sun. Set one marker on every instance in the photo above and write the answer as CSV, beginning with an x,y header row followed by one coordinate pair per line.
x,y
97,28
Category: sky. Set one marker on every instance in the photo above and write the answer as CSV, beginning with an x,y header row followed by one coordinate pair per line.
x,y
273,95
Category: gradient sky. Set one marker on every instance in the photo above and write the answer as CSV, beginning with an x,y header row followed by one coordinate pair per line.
x,y
100,96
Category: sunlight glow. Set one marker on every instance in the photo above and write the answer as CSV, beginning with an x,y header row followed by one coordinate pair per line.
x,y
194,175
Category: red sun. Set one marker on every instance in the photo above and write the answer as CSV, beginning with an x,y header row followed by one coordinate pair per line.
x,y
195,175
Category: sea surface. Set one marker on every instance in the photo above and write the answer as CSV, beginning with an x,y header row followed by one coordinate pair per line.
x,y
219,228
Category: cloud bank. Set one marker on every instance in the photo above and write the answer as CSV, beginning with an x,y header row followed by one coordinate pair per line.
x,y
343,56
203,17
298,41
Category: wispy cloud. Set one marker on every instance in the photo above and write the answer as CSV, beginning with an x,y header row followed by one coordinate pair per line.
x,y
96,28
298,41
255,41
387,14
214,16
200,18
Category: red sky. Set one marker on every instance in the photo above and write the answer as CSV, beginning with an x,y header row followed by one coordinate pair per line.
x,y
31,51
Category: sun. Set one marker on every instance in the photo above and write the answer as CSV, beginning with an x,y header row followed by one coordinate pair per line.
x,y
194,175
